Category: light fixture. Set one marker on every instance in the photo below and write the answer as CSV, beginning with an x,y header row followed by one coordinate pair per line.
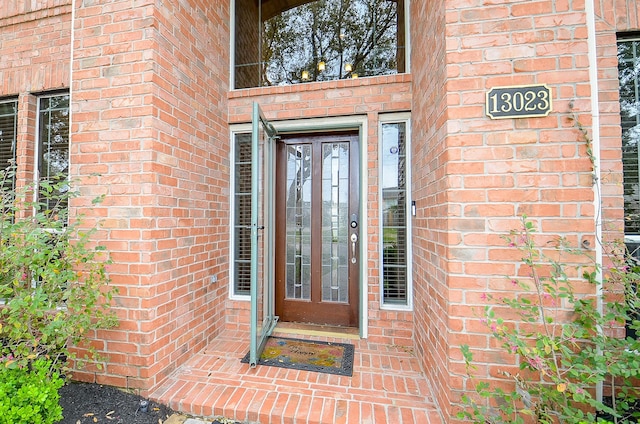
x,y
354,76
348,67
305,75
321,66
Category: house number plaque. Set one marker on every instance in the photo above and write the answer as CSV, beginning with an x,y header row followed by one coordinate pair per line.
x,y
525,101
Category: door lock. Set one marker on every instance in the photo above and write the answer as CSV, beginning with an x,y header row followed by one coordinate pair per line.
x,y
354,239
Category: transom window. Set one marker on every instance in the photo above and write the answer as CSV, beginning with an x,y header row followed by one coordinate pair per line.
x,y
282,42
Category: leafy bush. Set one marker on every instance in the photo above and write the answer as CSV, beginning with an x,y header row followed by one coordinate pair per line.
x,y
53,283
565,344
29,395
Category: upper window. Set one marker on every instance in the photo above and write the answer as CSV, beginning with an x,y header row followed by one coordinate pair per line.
x,y
8,138
282,42
629,75
53,148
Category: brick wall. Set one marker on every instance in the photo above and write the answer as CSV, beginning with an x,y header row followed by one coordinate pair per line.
x,y
149,96
16,11
34,57
430,183
150,114
474,177
35,51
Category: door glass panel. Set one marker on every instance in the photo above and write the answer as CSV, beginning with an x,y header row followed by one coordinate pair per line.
x,y
298,222
335,225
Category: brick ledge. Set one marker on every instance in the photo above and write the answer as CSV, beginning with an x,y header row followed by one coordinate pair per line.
x,y
319,86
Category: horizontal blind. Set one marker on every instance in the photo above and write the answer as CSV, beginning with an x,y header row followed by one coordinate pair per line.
x,y
629,76
242,214
8,135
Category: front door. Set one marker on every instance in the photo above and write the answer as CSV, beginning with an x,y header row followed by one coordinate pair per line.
x,y
317,229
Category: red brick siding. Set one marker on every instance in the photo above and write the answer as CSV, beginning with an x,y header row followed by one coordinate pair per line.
x,y
34,57
473,177
17,11
151,112
429,191
26,141
150,117
35,53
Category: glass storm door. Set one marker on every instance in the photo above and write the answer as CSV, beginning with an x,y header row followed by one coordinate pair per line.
x,y
263,318
317,226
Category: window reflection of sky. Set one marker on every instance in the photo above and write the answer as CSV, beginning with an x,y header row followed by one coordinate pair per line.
x,y
332,39
390,137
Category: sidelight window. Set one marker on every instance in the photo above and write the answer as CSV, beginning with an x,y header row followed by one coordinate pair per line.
x,y
242,214
394,184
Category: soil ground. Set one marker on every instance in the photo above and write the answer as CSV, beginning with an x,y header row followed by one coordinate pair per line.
x,y
93,403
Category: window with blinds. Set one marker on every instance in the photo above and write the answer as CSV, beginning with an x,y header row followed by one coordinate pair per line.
x,y
53,149
629,76
242,215
8,139
393,180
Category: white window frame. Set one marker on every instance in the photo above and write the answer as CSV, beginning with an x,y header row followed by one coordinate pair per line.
x,y
394,118
234,130
38,143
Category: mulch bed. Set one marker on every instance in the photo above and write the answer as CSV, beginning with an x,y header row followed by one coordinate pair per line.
x,y
93,403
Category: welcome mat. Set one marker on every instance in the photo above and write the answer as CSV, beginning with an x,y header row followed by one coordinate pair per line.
x,y
307,355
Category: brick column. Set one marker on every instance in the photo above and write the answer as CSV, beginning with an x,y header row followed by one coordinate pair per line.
x,y
149,132
475,177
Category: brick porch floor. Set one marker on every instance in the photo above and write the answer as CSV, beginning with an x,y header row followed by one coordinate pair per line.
x,y
387,387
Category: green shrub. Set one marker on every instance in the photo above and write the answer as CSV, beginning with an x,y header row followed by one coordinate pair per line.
x,y
29,394
53,280
565,343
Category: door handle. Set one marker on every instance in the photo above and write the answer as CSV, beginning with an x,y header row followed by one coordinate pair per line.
x,y
354,239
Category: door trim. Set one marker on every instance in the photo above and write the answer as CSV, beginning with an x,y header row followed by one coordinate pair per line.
x,y
360,124
316,308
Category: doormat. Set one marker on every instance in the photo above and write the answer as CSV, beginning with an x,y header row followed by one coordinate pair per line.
x,y
307,355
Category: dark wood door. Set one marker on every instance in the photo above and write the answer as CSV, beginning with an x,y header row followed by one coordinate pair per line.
x,y
317,229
